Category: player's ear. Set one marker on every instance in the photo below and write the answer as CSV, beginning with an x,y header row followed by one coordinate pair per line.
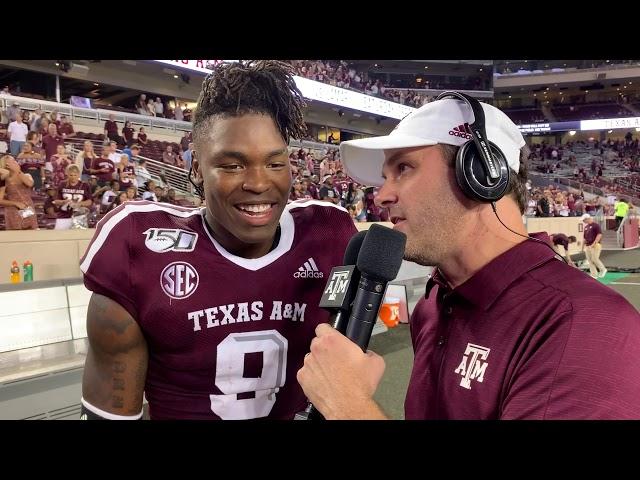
x,y
196,173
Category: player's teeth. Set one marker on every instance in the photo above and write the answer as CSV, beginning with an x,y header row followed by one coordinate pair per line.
x,y
256,208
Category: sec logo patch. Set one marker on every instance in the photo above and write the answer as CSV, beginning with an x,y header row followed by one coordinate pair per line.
x,y
179,280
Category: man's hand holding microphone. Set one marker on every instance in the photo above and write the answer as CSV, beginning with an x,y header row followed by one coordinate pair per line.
x,y
339,375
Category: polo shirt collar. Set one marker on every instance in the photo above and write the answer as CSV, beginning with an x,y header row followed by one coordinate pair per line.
x,y
486,285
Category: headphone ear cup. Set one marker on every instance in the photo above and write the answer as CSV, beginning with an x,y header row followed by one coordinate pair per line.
x,y
472,176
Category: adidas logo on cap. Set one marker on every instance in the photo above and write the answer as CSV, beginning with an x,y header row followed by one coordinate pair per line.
x,y
462,131
308,270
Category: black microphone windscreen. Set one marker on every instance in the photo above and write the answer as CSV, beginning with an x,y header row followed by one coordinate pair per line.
x,y
353,248
381,253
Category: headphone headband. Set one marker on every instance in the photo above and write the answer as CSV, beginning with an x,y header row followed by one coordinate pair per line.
x,y
478,131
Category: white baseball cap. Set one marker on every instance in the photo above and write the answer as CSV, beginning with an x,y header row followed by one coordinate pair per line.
x,y
585,216
441,121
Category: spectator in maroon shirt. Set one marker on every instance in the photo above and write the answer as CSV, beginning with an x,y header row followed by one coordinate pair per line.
x,y
44,126
186,112
505,329
560,243
31,162
66,129
185,140
311,189
51,141
169,156
142,137
128,132
103,168
59,163
111,130
72,195
592,246
126,172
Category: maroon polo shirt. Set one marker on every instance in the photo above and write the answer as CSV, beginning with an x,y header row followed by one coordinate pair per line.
x,y
50,144
591,231
527,337
128,133
111,127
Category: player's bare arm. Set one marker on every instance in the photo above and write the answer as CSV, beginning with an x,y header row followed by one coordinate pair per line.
x,y
116,365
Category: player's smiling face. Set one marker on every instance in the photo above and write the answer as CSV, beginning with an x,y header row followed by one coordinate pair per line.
x,y
244,164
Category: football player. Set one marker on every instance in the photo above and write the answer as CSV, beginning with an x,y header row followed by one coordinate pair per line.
x,y
209,312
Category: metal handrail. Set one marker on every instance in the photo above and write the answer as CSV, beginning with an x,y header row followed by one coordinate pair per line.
x,y
176,177
620,231
97,114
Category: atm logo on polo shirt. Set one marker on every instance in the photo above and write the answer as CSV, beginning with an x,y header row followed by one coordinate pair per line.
x,y
473,365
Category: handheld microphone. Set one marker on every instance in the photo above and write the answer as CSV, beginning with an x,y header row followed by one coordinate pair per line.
x,y
337,298
341,287
379,262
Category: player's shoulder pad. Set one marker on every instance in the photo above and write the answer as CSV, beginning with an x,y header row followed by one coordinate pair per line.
x,y
121,216
312,205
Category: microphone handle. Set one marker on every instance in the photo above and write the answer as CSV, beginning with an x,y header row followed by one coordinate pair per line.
x,y
364,312
339,321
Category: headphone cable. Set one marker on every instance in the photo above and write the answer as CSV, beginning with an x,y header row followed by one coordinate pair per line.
x,y
493,206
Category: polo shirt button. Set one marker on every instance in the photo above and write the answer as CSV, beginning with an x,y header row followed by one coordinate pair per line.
x,y
441,341
449,310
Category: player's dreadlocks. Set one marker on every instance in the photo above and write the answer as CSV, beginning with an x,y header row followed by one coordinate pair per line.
x,y
254,87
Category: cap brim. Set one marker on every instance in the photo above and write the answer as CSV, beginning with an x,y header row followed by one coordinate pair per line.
x,y
363,158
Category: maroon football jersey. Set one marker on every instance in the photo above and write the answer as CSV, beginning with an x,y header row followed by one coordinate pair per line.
x,y
101,163
77,193
226,335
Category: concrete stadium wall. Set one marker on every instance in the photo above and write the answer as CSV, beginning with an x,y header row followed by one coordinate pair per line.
x,y
56,254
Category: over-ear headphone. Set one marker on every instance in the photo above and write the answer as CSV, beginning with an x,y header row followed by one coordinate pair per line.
x,y
481,168
482,171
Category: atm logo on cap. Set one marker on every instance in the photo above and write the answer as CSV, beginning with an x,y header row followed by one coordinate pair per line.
x,y
462,131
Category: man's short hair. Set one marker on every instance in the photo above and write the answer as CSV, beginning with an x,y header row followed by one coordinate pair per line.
x,y
72,168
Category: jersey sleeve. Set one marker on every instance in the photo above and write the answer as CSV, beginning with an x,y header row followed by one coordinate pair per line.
x,y
330,225
107,263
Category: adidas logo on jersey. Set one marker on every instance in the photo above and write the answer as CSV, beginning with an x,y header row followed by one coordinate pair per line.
x,y
308,270
462,131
